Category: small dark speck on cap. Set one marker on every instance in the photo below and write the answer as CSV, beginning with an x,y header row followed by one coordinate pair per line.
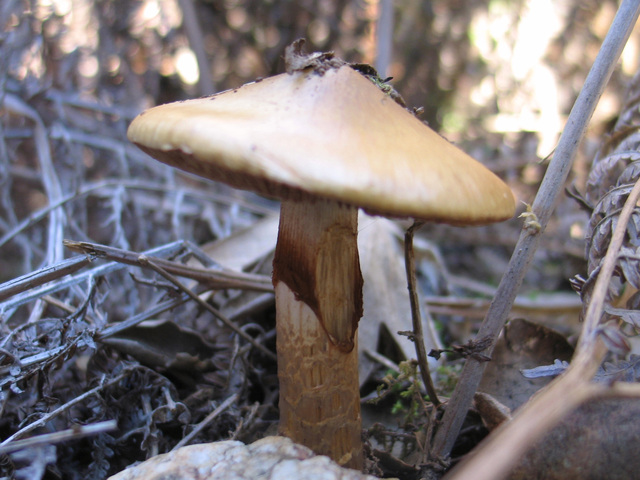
x,y
259,79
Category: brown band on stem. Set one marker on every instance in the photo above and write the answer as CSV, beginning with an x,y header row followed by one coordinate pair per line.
x,y
317,258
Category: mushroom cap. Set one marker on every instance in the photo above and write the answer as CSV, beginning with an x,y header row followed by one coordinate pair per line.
x,y
332,134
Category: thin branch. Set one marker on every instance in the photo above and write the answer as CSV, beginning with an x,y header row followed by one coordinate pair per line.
x,y
553,305
382,360
42,276
196,41
208,419
219,279
52,287
159,308
416,318
384,37
49,177
75,433
146,261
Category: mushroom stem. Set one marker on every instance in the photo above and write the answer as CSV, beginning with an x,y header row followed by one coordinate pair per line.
x,y
318,287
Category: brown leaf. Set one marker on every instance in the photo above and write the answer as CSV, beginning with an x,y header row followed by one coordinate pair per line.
x,y
386,298
597,441
522,345
246,246
164,344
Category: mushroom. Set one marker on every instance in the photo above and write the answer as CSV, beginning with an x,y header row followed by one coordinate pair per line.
x,y
326,140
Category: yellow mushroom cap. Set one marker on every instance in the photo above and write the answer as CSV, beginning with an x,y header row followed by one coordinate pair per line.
x,y
332,134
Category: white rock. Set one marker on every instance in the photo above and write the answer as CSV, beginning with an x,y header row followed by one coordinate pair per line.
x,y
272,458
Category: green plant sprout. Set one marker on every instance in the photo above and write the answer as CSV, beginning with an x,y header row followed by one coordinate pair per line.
x,y
406,385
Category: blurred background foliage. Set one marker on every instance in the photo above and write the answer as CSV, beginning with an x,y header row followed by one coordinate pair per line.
x,y
502,66
498,77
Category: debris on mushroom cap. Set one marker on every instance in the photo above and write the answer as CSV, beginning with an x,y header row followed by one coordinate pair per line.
x,y
334,135
296,59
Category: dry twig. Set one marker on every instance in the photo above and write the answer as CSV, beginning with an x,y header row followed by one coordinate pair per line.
x,y
207,420
75,433
146,261
215,278
417,336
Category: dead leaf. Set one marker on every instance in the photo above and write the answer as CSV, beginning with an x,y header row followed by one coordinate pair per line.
x,y
164,344
245,247
522,345
386,298
596,441
240,251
